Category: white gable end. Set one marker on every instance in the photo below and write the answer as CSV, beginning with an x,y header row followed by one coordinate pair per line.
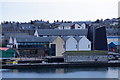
x,y
36,33
83,26
79,27
10,40
71,44
84,44
15,43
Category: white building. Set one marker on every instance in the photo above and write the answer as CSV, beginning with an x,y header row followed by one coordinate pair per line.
x,y
71,26
71,44
84,44
83,26
77,43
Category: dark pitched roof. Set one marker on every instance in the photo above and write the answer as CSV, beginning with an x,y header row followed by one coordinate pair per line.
x,y
35,39
27,26
65,38
77,38
66,24
14,34
57,32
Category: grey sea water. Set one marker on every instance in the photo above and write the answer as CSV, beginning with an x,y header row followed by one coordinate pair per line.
x,y
101,72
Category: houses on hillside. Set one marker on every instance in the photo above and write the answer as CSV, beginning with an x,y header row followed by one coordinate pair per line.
x,y
42,38
71,26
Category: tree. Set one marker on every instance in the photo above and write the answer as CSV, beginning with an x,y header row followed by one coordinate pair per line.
x,y
62,21
97,21
31,22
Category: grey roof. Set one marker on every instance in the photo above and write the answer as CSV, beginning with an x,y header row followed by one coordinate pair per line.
x,y
57,32
77,38
26,26
35,39
65,38
23,36
66,24
87,22
58,23
14,34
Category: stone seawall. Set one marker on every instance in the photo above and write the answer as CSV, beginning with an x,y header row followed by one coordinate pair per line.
x,y
60,65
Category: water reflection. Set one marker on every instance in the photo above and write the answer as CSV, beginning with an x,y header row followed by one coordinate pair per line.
x,y
101,72
56,70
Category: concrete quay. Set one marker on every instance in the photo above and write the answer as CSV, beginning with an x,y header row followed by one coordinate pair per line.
x,y
61,65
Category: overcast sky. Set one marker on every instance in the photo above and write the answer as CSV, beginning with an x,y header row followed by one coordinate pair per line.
x,y
69,10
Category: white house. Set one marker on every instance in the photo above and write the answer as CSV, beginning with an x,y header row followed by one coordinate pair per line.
x,y
84,44
83,26
71,26
80,26
77,43
71,44
65,26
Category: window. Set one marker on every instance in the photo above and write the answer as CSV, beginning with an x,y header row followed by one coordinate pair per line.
x,y
88,45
